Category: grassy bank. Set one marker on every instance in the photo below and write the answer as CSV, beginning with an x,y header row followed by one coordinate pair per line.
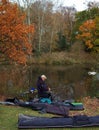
x,y
76,55
9,115
65,58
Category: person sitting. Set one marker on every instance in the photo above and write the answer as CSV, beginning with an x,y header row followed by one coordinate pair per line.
x,y
43,90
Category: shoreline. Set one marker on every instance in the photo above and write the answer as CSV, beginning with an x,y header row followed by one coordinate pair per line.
x,y
64,58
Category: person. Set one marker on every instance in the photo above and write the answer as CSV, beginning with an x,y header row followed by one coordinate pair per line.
x,y
43,90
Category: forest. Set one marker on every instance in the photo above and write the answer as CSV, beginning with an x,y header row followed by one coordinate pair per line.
x,y
43,27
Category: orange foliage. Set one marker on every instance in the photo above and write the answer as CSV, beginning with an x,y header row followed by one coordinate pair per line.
x,y
89,44
87,30
91,106
14,33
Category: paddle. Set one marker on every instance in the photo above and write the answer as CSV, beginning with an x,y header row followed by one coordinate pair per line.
x,y
70,104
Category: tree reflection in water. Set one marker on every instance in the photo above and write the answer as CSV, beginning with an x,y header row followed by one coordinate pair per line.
x,y
67,82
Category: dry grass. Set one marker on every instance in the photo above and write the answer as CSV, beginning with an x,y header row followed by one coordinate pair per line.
x,y
91,106
75,55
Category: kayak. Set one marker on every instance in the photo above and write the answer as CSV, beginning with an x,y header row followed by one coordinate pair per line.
x,y
25,121
40,105
36,103
59,108
47,108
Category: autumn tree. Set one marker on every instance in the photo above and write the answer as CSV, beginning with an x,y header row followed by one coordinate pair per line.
x,y
89,34
14,33
91,13
41,16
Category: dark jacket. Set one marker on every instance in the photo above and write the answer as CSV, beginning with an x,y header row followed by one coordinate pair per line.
x,y
42,87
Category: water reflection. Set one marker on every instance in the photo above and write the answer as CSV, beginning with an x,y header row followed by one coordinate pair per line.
x,y
67,82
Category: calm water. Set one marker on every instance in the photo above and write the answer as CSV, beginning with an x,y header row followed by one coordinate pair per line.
x,y
70,81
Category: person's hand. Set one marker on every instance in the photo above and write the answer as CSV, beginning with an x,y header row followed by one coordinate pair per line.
x,y
49,89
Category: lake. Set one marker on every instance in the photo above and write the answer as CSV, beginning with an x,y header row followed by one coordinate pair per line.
x,y
67,82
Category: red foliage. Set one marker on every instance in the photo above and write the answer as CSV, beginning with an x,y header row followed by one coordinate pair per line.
x,y
14,33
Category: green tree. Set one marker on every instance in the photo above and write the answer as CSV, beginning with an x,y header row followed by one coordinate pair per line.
x,y
62,41
96,42
81,17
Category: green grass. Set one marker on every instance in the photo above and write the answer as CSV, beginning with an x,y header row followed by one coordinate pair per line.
x,y
9,118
